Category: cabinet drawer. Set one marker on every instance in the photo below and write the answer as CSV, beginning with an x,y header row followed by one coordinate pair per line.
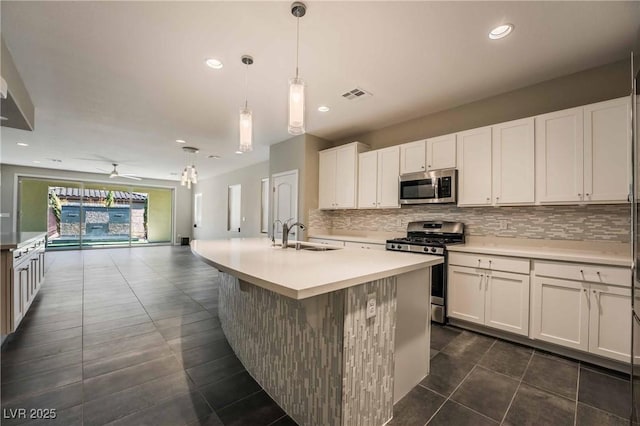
x,y
494,263
582,272
367,246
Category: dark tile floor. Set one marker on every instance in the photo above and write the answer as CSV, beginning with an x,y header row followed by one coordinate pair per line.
x,y
479,380
131,337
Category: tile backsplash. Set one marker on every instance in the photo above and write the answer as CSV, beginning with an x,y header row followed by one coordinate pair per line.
x,y
577,223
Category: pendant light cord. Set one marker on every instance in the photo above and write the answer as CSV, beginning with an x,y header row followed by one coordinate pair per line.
x,y
297,43
246,86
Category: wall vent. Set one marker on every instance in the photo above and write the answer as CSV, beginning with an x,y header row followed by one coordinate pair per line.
x,y
356,93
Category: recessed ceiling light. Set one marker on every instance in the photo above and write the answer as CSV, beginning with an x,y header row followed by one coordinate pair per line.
x,y
215,157
36,161
500,31
3,118
55,160
323,108
238,152
214,63
181,141
173,174
22,144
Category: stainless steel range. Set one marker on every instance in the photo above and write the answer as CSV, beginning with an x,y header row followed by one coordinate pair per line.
x,y
432,237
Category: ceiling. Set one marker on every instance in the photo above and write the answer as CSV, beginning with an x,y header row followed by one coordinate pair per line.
x,y
121,81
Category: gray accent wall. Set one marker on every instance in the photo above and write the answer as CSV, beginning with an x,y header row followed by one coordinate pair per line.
x,y
299,153
593,85
577,223
320,358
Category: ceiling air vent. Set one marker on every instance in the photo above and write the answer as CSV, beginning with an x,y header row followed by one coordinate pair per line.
x,y
356,93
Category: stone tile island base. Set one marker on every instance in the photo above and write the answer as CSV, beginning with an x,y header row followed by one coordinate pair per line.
x,y
319,358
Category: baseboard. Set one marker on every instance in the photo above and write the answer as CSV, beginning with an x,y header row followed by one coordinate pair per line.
x,y
545,346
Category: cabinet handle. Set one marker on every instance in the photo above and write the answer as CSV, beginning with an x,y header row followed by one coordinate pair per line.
x,y
422,167
497,199
581,272
579,195
587,194
373,204
488,199
598,272
584,289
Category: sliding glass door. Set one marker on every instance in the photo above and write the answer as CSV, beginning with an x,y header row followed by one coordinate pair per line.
x,y
86,214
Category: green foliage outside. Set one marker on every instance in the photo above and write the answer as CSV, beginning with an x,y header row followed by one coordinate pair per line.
x,y
110,200
56,206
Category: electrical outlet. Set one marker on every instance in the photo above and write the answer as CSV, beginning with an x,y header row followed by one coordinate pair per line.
x,y
371,305
503,224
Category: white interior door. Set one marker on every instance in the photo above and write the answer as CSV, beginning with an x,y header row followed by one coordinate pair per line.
x,y
285,200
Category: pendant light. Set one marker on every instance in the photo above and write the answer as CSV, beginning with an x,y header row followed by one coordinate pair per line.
x,y
189,175
296,84
246,117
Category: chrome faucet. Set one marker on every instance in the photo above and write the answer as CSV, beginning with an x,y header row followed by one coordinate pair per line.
x,y
273,231
286,228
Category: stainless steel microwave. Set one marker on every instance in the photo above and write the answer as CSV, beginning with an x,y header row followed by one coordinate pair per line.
x,y
438,186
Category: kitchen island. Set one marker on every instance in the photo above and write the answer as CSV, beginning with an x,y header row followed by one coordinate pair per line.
x,y
335,337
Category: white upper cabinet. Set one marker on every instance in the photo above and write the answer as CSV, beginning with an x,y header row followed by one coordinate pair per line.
x,y
607,144
327,179
388,173
514,162
559,156
474,167
413,157
582,154
441,152
367,180
378,173
338,176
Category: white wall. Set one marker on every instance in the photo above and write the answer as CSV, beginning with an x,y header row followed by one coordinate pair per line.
x,y
183,198
215,202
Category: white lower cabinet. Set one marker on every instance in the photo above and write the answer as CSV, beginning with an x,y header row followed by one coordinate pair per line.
x,y
580,314
492,298
465,298
561,312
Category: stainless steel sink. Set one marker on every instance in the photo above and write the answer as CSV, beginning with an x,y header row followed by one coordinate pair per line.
x,y
309,247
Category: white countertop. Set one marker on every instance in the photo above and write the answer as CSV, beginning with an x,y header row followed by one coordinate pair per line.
x,y
301,273
13,240
545,249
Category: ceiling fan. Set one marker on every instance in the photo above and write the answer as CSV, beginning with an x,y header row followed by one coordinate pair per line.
x,y
114,173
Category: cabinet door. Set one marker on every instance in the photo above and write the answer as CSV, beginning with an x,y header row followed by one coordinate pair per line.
x,y
327,180
441,152
388,173
413,157
465,298
367,180
559,156
346,176
610,322
607,145
19,294
513,162
561,312
474,167
507,302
